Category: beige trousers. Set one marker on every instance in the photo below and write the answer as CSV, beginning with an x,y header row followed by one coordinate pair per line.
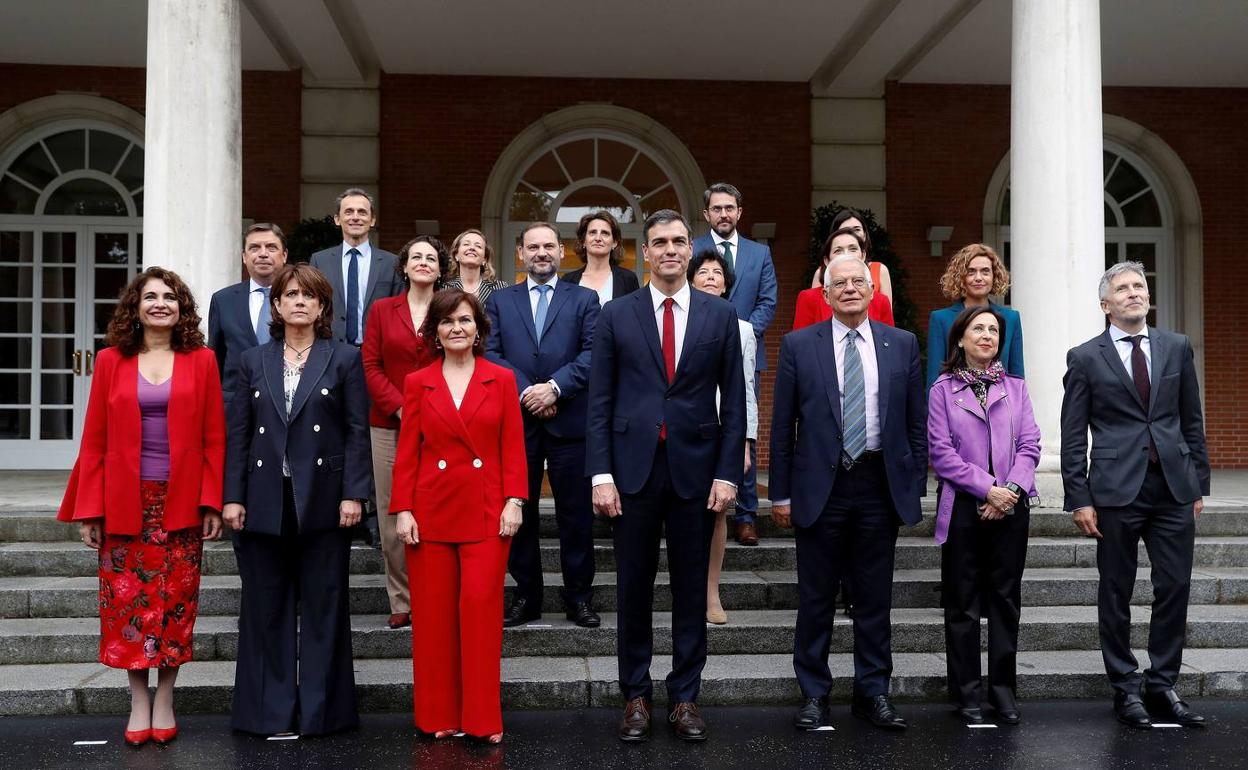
x,y
385,440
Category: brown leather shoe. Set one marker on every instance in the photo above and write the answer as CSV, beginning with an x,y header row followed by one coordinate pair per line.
x,y
399,620
687,722
746,534
635,726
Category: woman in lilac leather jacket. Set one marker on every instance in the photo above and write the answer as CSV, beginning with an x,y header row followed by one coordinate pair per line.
x,y
984,444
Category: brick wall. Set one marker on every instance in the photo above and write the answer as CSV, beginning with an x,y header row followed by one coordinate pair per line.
x,y
271,123
442,135
944,142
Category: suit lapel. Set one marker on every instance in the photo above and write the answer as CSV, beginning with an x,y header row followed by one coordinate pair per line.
x,y
313,369
443,404
241,298
645,315
694,324
335,280
476,393
1158,351
741,262
521,300
404,313
376,267
1114,363
825,354
273,377
883,367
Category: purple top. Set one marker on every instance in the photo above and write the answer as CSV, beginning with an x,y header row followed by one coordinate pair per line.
x,y
154,409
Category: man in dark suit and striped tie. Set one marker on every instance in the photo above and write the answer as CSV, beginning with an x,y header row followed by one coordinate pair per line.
x,y
239,315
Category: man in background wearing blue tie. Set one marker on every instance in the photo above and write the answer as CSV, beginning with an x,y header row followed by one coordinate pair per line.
x,y
753,296
239,315
855,469
358,272
543,330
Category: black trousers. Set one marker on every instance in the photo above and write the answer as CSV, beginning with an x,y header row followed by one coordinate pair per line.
x,y
981,575
294,671
1169,532
574,513
689,526
852,541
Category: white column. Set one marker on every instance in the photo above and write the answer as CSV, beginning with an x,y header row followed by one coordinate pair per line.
x,y
193,174
1057,231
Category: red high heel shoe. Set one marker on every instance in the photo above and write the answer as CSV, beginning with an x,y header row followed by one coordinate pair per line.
x,y
166,735
137,738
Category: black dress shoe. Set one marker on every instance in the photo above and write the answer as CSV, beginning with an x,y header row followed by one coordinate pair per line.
x,y
521,612
635,725
583,615
971,716
1168,706
813,714
879,712
1010,716
1131,712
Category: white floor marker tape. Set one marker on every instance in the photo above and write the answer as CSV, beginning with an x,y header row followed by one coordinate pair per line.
x,y
90,743
283,737
1165,724
984,726
548,625
824,728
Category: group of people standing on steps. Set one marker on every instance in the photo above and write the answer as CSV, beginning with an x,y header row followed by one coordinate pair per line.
x,y
423,385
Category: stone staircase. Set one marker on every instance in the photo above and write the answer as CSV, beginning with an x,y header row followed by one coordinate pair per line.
x,y
49,626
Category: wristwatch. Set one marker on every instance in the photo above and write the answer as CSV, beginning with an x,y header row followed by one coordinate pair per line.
x,y
1016,489
520,501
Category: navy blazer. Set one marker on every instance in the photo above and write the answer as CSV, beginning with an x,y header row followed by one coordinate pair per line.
x,y
753,292
941,321
325,439
623,282
629,397
230,332
383,281
563,354
806,421
1100,396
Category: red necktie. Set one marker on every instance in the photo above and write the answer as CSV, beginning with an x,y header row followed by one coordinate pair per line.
x,y
669,351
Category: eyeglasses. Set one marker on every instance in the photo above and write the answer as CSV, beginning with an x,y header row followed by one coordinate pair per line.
x,y
727,209
838,285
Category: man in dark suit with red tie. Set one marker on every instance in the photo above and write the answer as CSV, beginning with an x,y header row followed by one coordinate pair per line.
x,y
662,458
543,329
239,314
1135,388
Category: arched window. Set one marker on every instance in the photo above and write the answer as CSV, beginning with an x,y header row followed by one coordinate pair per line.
x,y
71,205
583,172
1138,227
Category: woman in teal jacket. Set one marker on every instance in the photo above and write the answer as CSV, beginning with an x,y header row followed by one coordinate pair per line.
x,y
973,274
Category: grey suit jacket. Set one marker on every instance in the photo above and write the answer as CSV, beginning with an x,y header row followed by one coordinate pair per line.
x,y
382,282
1101,396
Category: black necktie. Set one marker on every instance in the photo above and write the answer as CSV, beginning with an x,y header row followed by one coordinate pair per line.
x,y
1139,374
353,296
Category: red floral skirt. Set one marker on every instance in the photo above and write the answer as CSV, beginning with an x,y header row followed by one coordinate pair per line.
x,y
149,590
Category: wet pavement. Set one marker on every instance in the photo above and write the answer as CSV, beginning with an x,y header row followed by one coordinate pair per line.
x,y
1054,734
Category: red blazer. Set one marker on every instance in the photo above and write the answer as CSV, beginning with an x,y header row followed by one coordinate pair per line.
x,y
105,480
455,467
392,350
812,308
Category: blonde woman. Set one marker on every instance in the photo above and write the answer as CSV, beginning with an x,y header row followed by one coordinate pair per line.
x,y
472,266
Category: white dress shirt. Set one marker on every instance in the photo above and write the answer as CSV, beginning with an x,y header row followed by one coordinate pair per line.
x,y
365,260
870,374
1123,347
607,292
734,241
255,301
680,314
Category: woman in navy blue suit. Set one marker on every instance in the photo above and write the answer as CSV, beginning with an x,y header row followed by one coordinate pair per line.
x,y
974,274
298,469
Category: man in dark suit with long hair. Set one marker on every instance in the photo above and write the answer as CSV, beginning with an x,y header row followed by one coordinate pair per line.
x,y
662,458
1135,388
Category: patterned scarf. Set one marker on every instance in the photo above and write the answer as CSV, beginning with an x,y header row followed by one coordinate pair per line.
x,y
980,381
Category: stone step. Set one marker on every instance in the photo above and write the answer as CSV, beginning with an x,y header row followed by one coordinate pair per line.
x,y
1220,519
60,597
580,682
72,559
76,640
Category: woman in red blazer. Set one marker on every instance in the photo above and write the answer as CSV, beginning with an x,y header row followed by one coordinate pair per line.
x,y
459,485
813,307
394,347
146,489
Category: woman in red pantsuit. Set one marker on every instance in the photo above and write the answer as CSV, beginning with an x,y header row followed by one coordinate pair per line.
x,y
146,489
394,347
460,480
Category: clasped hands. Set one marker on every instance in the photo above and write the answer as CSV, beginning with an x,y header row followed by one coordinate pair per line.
x,y
1000,500
540,400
